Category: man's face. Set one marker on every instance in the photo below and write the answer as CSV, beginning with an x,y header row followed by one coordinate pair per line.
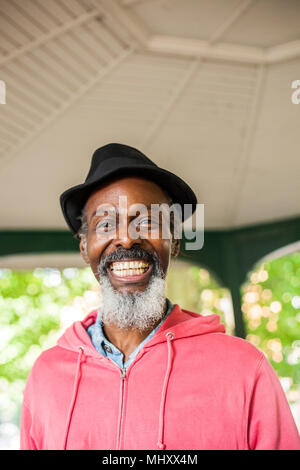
x,y
109,250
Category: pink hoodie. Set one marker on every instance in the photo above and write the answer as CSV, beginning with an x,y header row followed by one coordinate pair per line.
x,y
190,387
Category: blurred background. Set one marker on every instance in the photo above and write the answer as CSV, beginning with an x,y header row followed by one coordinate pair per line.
x,y
204,87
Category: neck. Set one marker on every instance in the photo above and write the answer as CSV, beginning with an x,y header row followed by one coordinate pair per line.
x,y
127,340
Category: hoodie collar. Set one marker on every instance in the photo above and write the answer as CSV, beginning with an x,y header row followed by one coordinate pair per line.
x,y
182,323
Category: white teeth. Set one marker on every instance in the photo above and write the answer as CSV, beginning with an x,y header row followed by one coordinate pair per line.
x,y
128,272
128,265
129,268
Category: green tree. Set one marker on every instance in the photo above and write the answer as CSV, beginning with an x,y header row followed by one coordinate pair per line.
x,y
271,308
31,303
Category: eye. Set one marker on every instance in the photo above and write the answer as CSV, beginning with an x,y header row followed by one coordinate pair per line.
x,y
105,226
148,223
145,221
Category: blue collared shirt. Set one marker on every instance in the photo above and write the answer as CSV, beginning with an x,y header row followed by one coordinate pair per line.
x,y
109,350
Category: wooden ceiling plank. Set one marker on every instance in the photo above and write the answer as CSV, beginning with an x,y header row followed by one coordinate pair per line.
x,y
50,117
7,44
90,41
76,8
57,11
24,91
25,109
47,55
23,118
7,136
38,79
108,51
31,86
33,10
84,53
12,32
110,43
121,15
39,71
56,48
23,24
31,45
11,126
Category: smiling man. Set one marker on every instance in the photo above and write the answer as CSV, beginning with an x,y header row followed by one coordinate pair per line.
x,y
141,372
131,271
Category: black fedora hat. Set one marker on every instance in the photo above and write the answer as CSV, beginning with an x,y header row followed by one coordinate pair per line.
x,y
120,160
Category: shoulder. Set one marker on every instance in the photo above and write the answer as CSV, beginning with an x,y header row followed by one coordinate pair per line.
x,y
47,368
236,344
54,355
230,353
236,347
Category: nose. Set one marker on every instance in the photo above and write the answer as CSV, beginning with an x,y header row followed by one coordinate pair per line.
x,y
127,243
125,239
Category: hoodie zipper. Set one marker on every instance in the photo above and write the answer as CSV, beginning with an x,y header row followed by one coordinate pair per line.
x,y
122,392
121,406
123,375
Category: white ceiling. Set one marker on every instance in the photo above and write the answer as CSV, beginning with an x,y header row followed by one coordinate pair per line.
x,y
201,86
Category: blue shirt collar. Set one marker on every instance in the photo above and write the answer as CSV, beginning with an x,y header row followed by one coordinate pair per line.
x,y
105,347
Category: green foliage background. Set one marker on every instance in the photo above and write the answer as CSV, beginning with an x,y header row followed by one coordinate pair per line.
x,y
30,305
275,325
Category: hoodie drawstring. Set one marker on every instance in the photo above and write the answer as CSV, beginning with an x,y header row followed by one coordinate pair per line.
x,y
160,443
74,395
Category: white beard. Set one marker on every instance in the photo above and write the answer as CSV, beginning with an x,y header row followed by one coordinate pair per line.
x,y
141,310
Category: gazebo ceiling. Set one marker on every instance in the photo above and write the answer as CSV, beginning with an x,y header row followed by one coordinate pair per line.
x,y
202,87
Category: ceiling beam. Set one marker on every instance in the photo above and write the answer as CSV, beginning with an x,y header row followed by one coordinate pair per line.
x,y
283,52
187,47
173,45
48,36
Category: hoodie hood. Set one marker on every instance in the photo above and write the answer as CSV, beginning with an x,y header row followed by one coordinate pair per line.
x,y
180,322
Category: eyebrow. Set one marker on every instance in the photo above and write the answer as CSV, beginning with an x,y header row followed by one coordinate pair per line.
x,y
113,210
109,211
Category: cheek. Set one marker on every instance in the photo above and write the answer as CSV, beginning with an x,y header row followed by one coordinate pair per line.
x,y
163,250
95,248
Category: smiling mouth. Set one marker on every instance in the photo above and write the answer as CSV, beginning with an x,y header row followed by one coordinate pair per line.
x,y
129,268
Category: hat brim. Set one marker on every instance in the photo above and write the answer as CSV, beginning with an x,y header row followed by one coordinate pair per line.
x,y
73,199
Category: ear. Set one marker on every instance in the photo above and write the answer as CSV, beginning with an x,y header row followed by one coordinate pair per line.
x,y
83,249
175,247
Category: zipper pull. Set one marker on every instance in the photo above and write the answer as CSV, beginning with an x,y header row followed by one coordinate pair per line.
x,y
123,373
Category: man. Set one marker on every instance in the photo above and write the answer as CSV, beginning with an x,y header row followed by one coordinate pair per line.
x,y
140,372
